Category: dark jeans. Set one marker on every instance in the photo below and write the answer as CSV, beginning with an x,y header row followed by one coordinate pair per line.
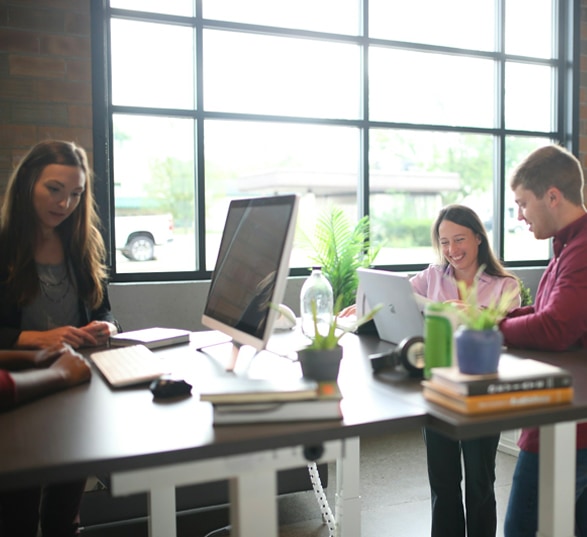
x,y
56,507
445,476
522,515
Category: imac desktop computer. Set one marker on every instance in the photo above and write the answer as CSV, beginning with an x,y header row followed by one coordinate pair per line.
x,y
251,270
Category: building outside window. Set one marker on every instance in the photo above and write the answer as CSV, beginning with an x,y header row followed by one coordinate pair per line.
x,y
382,107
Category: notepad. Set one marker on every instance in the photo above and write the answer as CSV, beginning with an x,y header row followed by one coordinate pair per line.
x,y
237,389
151,337
324,406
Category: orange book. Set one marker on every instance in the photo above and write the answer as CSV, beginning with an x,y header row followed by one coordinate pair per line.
x,y
485,404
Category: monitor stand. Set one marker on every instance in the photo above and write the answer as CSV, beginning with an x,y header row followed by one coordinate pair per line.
x,y
237,359
239,356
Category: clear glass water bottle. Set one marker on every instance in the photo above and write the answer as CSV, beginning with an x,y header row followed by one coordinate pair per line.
x,y
316,289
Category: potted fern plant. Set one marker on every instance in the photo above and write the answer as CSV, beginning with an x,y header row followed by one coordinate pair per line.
x,y
340,248
478,339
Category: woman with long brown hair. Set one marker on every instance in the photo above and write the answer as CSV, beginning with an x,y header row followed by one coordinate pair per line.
x,y
52,294
52,273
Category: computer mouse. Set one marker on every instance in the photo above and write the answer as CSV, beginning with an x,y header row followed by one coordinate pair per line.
x,y
169,387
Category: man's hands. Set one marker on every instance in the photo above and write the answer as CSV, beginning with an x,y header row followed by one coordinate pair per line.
x,y
66,368
72,366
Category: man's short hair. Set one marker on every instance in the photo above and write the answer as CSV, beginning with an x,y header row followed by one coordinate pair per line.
x,y
551,166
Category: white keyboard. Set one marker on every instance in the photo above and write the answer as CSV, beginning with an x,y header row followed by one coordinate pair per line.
x,y
125,366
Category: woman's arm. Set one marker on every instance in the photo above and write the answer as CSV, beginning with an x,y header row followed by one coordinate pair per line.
x,y
69,335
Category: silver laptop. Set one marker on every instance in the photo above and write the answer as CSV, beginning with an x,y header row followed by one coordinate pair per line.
x,y
401,315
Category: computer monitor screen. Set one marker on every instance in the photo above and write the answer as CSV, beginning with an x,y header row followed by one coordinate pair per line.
x,y
252,268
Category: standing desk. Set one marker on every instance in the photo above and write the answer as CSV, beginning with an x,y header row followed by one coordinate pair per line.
x,y
154,447
557,440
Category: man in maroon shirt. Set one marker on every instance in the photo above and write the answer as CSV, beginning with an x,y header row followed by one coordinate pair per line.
x,y
548,189
26,375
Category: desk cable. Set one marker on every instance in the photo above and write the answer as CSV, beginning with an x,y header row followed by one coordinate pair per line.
x,y
327,515
325,510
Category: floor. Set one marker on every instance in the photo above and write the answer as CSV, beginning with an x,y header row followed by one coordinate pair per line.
x,y
395,493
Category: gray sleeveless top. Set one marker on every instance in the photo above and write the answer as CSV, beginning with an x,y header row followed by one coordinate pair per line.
x,y
57,302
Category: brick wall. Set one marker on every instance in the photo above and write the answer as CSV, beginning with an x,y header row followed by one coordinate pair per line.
x,y
45,76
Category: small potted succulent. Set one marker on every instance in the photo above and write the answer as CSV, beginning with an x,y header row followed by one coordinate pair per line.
x,y
320,359
478,339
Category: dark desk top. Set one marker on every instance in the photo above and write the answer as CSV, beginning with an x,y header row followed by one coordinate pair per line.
x,y
92,429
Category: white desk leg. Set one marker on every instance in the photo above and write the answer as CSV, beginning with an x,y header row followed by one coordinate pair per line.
x,y
253,504
348,489
556,487
161,507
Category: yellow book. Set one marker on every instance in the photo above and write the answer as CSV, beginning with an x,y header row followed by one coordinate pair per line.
x,y
484,404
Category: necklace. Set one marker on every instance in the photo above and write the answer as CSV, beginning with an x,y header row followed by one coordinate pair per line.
x,y
55,291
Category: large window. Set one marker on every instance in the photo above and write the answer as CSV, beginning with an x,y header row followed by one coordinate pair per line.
x,y
382,107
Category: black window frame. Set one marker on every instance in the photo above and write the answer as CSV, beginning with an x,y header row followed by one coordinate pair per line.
x,y
566,132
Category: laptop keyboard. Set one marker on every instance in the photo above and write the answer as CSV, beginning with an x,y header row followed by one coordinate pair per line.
x,y
125,366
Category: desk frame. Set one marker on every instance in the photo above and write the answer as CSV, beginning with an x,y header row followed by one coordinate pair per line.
x,y
252,488
556,485
253,493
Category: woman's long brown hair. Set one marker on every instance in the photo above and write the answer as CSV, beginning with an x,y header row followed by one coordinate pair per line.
x,y
82,242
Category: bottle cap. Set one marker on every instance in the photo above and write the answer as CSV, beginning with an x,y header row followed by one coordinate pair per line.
x,y
435,307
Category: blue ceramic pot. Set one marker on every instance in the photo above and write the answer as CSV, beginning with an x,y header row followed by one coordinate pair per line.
x,y
478,351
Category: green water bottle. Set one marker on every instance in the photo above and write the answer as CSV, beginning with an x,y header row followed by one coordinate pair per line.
x,y
439,324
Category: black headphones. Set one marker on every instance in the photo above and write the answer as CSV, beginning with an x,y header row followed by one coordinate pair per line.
x,y
409,354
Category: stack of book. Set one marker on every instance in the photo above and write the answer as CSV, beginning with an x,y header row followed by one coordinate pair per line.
x,y
519,383
244,400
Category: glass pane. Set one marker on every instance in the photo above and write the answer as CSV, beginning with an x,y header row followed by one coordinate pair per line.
x,y
337,16
152,65
153,183
539,42
260,74
452,23
413,175
519,242
168,7
529,97
415,87
246,159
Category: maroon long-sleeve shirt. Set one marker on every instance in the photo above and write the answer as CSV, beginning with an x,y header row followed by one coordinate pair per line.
x,y
7,390
558,319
